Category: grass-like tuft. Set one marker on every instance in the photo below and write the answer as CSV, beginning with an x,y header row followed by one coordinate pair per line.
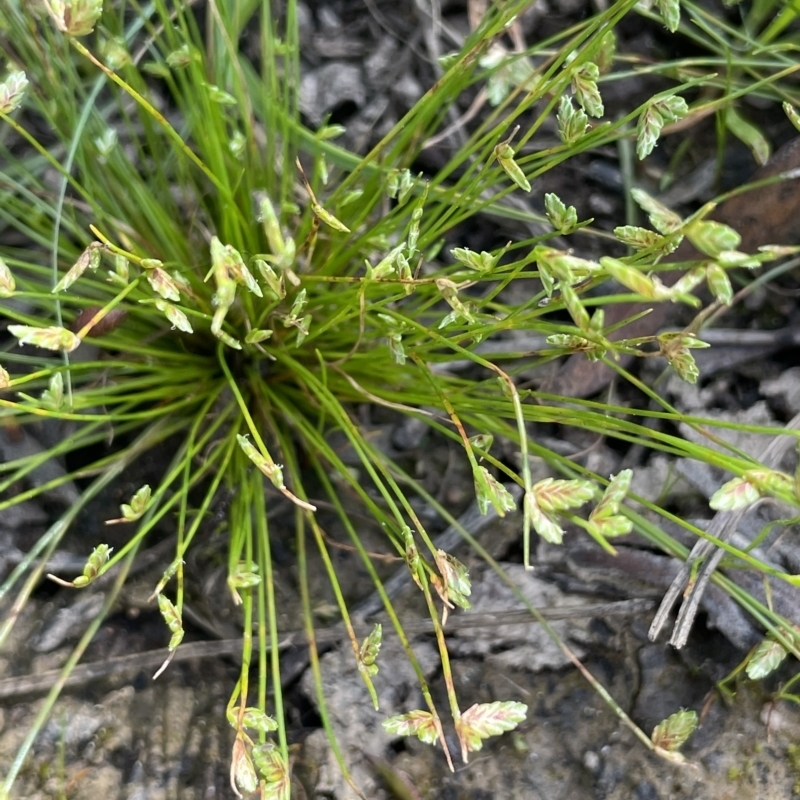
x,y
185,260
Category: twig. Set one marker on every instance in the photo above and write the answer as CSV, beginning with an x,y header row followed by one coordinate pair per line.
x,y
722,527
85,673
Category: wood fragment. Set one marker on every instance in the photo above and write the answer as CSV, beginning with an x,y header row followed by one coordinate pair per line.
x,y
722,527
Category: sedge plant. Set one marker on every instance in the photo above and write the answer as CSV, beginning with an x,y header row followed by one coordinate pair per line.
x,y
191,263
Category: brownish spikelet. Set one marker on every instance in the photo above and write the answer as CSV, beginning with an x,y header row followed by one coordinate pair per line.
x,y
108,323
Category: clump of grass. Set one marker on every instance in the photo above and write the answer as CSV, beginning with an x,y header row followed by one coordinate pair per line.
x,y
241,283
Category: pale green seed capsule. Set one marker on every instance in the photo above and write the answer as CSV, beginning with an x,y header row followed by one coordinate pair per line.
x,y
505,157
328,218
178,319
12,90
51,338
162,283
7,283
242,769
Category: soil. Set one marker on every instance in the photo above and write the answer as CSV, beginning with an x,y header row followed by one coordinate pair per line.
x,y
125,735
